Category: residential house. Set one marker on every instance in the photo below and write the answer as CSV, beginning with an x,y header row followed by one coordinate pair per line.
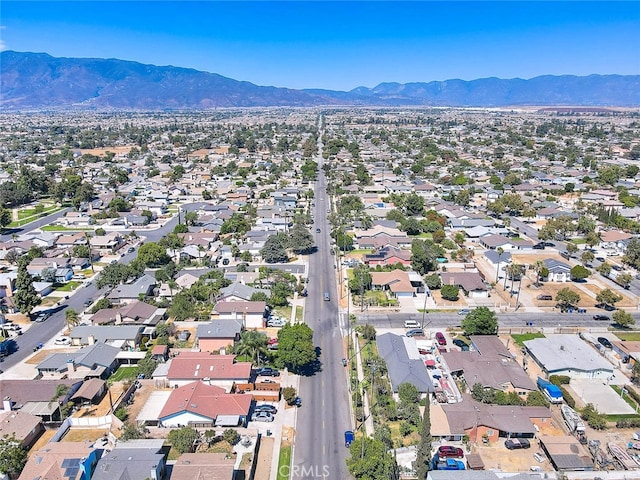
x,y
615,240
76,219
62,460
558,271
127,461
238,292
494,241
388,256
491,365
16,393
396,282
37,265
133,313
140,288
251,314
200,404
221,370
91,392
403,364
107,244
27,428
97,360
218,335
209,466
471,283
568,355
67,242
7,283
120,336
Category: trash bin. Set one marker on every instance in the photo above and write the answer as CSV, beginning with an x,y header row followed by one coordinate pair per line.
x,y
268,433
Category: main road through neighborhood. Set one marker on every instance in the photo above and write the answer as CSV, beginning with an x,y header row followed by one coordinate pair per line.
x,y
319,450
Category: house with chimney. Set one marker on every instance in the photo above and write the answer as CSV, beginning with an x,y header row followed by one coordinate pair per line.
x,y
251,314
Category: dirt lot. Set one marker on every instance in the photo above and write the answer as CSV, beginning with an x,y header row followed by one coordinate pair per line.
x,y
84,434
497,456
42,354
263,469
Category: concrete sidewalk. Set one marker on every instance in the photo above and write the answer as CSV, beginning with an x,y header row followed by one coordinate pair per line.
x,y
283,425
368,423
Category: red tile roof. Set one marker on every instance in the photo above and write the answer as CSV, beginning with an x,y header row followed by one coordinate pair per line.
x,y
206,400
199,365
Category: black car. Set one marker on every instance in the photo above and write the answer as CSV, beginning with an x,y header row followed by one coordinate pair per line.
x,y
538,246
601,317
549,244
459,343
605,342
268,372
516,443
608,308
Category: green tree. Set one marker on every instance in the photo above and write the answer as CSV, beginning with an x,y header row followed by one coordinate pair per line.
x,y
153,255
572,249
25,296
433,281
5,217
622,318
275,249
71,317
114,274
231,436
424,256
635,373
289,395
361,279
375,464
566,298
579,273
624,279
632,253
183,439
604,269
131,431
13,457
101,305
536,399
449,292
480,321
300,239
295,346
587,257
253,344
190,218
608,297
423,457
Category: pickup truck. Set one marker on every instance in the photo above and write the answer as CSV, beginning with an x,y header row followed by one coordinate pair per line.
x,y
450,464
268,372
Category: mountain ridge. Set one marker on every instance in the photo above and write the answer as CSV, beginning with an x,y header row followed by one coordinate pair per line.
x,y
39,81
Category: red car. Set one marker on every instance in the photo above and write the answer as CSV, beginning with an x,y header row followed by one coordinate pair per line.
x,y
440,338
449,451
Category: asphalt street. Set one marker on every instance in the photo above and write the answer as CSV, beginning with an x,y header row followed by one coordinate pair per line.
x,y
319,450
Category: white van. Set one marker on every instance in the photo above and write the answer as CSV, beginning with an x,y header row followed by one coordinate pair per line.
x,y
411,324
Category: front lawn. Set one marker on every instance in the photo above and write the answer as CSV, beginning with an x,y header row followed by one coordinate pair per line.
x,y
68,287
628,336
125,372
284,460
523,337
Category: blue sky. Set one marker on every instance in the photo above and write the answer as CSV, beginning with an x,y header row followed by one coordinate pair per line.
x,y
338,45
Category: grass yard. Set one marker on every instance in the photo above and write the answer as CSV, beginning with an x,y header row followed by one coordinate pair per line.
x,y
284,459
60,228
68,287
124,372
628,336
523,337
299,313
630,401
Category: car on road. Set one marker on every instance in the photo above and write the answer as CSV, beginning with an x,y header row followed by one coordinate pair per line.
x,y
415,332
440,338
538,246
517,443
600,259
317,230
266,408
262,417
617,268
450,451
605,342
459,343
62,341
601,317
131,249
411,324
348,438
549,244
326,296
464,311
544,297
268,372
42,317
88,302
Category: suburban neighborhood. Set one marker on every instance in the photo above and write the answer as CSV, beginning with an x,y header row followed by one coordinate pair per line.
x,y
289,293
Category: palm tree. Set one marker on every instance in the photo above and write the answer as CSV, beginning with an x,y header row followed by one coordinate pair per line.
x,y
252,343
72,318
500,251
539,266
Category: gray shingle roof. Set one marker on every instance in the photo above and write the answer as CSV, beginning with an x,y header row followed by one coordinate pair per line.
x,y
220,329
401,368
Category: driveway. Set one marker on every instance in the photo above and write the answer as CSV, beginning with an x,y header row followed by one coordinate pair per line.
x,y
603,397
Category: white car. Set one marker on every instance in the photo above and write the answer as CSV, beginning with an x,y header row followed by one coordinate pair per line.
x,y
62,341
262,416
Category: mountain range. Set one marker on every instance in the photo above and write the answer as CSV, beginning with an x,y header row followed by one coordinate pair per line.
x,y
39,81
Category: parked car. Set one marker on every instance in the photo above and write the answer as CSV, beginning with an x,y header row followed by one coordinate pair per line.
x,y
459,343
604,306
600,259
266,408
262,417
450,451
415,332
131,249
538,246
276,322
636,436
440,338
517,443
601,317
42,317
549,244
464,311
544,297
605,342
348,438
62,341
88,302
411,324
268,372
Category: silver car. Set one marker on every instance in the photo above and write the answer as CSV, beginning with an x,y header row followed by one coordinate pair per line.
x,y
262,416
